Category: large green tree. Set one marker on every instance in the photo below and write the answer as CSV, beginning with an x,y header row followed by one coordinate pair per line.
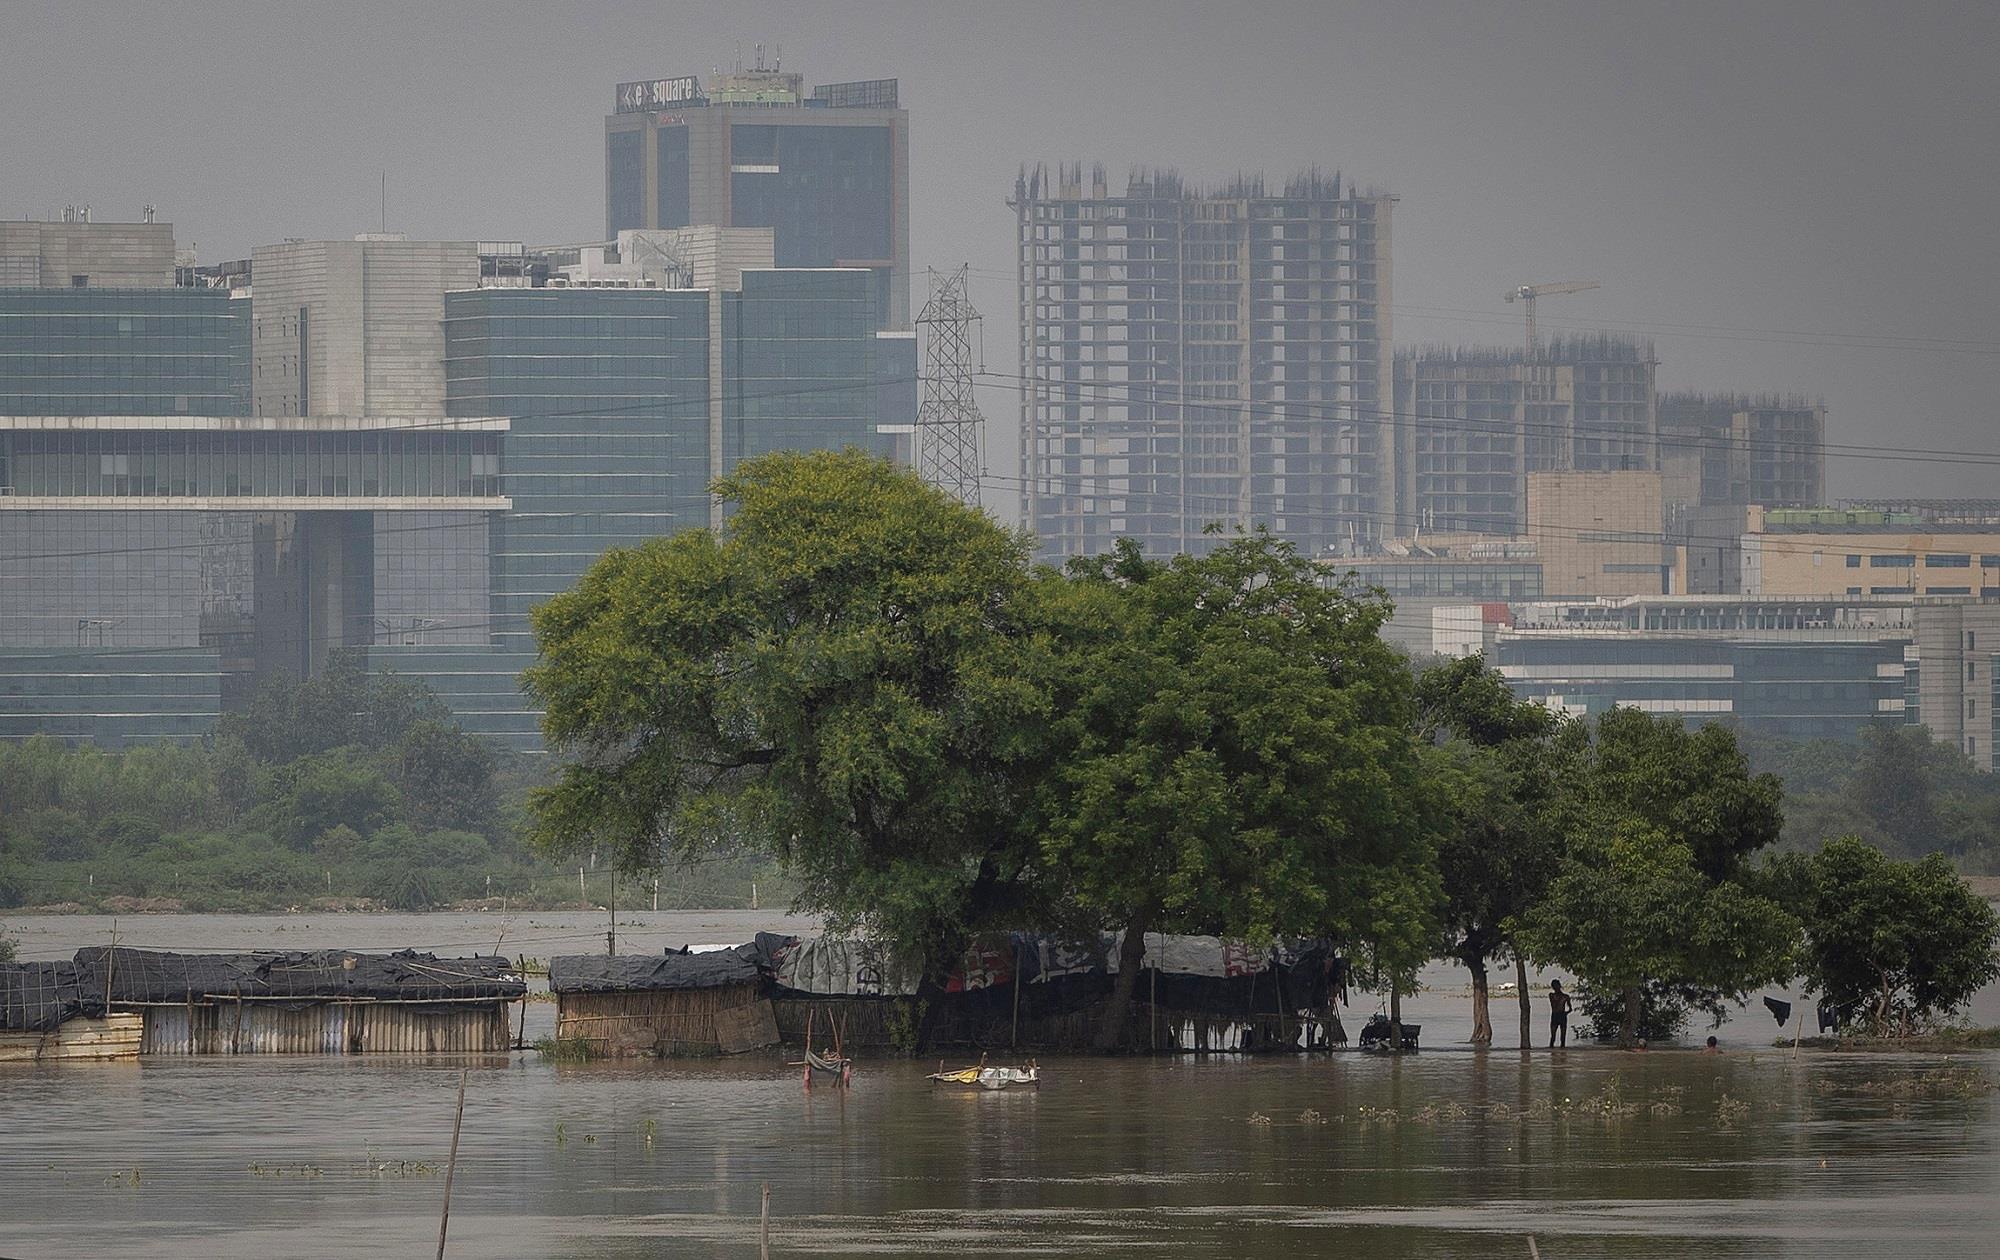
x,y
1655,882
1499,769
1231,752
1907,942
850,674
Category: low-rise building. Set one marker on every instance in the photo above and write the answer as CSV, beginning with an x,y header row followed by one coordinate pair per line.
x,y
1792,668
1849,552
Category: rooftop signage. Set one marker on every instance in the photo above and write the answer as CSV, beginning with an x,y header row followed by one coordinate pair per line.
x,y
647,95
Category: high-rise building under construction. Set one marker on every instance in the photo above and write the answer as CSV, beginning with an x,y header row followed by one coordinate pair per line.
x,y
1196,357
1472,423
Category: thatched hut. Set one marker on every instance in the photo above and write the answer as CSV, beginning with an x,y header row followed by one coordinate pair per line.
x,y
671,1004
308,1002
47,1012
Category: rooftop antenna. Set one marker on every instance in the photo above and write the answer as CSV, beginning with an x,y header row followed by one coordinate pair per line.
x,y
385,201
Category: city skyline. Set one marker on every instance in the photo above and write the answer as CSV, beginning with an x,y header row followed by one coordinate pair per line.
x,y
1766,225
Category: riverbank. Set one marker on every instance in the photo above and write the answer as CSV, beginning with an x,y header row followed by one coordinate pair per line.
x,y
1944,1041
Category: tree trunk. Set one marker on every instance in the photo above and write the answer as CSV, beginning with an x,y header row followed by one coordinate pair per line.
x,y
1395,1018
1521,995
1118,1009
1629,1035
930,1005
1482,1010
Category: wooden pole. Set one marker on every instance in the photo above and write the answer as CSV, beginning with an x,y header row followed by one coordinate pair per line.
x,y
1014,1043
1798,1029
110,960
451,1165
764,1225
1534,1252
611,907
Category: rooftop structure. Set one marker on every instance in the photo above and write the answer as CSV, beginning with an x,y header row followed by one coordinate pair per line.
x,y
354,327
78,253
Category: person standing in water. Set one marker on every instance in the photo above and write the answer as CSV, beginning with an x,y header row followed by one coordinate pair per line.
x,y
1558,1014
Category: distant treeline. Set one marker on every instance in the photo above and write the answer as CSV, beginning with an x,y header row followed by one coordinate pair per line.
x,y
351,789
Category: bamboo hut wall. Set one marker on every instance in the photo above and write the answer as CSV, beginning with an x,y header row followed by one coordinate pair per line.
x,y
675,1021
327,1028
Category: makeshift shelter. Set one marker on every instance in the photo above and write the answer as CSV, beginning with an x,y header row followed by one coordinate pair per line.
x,y
307,1002
1031,991
46,1013
671,1004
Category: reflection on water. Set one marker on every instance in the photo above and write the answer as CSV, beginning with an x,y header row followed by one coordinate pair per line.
x,y
1446,1154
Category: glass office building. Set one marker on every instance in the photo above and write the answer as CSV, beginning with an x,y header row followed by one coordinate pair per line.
x,y
1795,669
607,393
124,352
826,169
623,405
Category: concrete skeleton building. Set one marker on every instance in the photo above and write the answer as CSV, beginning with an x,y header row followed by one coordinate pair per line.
x,y
1472,424
1729,449
1195,357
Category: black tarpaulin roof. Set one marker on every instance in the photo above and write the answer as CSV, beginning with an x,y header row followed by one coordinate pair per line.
x,y
655,973
138,975
40,996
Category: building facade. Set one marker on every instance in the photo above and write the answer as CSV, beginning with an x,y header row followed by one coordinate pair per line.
x,y
1598,533
1848,551
1790,668
827,171
79,254
1472,425
1194,358
354,328
1736,450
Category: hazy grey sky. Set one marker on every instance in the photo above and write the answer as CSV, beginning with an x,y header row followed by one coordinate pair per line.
x,y
1794,197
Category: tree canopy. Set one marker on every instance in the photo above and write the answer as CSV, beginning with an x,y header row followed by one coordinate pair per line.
x,y
849,672
1231,752
1899,944
1653,884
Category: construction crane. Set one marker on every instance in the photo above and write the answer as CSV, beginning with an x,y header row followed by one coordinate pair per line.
x,y
1527,294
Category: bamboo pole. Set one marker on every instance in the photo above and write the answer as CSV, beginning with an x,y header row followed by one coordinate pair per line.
x,y
451,1164
1014,1042
764,1225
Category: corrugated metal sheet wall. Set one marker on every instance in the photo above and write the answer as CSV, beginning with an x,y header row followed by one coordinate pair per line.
x,y
328,1028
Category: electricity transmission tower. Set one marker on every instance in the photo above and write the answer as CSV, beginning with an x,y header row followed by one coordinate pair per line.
x,y
947,438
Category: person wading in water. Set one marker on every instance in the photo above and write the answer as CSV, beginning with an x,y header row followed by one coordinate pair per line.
x,y
1558,1014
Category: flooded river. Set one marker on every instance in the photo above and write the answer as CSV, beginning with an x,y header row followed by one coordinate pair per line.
x,y
1448,1153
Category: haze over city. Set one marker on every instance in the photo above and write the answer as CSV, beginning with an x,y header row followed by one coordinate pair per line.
x,y
1784,198
1105,629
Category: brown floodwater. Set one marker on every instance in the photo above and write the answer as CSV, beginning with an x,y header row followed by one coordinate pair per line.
x,y
1447,1153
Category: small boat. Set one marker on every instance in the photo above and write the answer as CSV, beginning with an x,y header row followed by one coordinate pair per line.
x,y
988,1077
